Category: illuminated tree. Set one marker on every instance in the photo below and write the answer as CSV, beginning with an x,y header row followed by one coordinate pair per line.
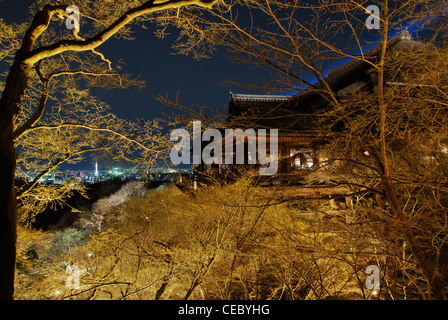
x,y
232,241
385,130
41,47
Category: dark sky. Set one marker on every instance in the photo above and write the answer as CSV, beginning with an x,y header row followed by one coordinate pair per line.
x,y
152,60
164,73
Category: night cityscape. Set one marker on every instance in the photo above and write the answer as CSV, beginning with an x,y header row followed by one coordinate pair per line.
x,y
99,175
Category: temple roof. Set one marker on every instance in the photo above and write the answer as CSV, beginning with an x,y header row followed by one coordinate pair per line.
x,y
297,112
259,97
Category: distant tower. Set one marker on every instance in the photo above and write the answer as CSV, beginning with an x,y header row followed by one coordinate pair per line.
x,y
96,169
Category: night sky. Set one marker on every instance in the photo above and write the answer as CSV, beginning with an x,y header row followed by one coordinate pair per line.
x,y
164,73
152,59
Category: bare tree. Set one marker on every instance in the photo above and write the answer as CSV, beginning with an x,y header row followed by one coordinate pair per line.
x,y
40,45
300,41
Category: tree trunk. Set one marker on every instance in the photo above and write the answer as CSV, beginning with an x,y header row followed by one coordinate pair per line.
x,y
8,217
401,228
9,108
161,290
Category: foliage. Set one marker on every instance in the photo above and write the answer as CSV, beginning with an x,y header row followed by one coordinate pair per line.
x,y
103,210
220,242
387,135
66,239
